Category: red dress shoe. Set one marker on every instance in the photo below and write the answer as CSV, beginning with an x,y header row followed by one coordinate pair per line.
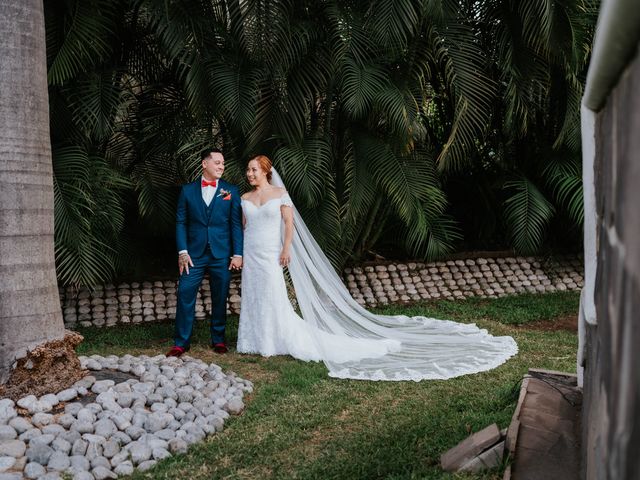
x,y
176,351
220,348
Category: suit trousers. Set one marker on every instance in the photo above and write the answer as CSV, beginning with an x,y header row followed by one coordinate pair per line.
x,y
188,286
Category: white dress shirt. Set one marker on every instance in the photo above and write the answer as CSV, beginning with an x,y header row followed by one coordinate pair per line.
x,y
209,192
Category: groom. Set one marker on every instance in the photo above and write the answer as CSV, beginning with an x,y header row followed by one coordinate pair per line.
x,y
209,238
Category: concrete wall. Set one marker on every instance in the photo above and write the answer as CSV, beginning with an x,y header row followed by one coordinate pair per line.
x,y
611,341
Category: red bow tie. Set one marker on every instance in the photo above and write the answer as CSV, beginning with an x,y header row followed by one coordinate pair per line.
x,y
209,184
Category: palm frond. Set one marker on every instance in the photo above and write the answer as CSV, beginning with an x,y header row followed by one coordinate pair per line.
x,y
528,214
360,86
464,65
79,35
304,169
88,215
564,176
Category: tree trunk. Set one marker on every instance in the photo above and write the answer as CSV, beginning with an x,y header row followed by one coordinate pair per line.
x,y
30,312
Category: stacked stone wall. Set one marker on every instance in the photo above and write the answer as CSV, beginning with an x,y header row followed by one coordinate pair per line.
x,y
371,285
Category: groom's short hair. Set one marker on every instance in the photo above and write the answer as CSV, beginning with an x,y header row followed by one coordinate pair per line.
x,y
208,151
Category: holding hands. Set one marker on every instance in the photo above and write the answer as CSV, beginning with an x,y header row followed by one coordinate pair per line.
x,y
236,263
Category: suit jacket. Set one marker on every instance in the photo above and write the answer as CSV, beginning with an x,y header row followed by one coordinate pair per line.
x,y
221,229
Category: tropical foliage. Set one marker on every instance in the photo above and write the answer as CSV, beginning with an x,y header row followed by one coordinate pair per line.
x,y
424,124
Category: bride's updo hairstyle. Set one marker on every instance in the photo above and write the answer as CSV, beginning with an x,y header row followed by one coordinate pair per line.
x,y
265,165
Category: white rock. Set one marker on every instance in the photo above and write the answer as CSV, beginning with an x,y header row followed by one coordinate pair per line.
x,y
50,398
178,445
80,463
157,421
144,466
140,452
12,448
61,445
144,388
124,468
20,424
83,476
102,386
91,438
59,461
86,415
7,432
110,448
6,463
119,458
11,476
27,402
93,365
100,462
159,407
65,420
44,439
216,422
160,453
105,428
7,410
39,453
41,406
102,473
67,395
34,470
42,419
30,435
120,422
79,447
82,427
135,432
125,399
73,408
166,434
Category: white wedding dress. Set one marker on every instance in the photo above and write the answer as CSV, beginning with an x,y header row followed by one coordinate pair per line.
x,y
334,328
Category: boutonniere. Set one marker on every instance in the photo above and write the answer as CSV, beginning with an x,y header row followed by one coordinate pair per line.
x,y
225,194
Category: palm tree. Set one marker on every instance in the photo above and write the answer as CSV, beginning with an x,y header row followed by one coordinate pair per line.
x,y
382,117
30,313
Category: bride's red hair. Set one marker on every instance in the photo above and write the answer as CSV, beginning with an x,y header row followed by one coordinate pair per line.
x,y
265,164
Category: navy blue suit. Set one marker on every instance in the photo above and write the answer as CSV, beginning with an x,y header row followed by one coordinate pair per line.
x,y
211,234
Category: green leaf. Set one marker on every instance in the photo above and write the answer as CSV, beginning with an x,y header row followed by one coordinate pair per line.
x,y
528,214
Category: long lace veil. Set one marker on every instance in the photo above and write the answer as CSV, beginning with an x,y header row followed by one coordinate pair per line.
x,y
410,348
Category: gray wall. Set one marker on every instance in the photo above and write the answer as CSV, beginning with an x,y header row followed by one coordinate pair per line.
x,y
611,410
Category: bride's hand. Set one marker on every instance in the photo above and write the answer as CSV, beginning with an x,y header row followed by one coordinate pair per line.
x,y
285,258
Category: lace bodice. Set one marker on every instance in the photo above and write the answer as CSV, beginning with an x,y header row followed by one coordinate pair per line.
x,y
262,222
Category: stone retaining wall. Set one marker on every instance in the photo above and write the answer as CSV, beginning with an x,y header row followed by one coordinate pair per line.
x,y
370,285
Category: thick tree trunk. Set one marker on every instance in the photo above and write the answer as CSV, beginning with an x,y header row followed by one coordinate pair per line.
x,y
30,311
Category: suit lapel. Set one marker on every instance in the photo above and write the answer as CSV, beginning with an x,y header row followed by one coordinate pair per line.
x,y
215,199
197,195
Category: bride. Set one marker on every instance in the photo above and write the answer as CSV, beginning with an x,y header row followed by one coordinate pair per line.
x,y
334,328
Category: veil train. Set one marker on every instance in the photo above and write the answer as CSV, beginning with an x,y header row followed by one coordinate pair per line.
x,y
417,348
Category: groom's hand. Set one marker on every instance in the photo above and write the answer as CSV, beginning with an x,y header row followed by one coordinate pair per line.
x,y
184,262
236,263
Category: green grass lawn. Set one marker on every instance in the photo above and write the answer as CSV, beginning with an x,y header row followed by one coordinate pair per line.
x,y
299,423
